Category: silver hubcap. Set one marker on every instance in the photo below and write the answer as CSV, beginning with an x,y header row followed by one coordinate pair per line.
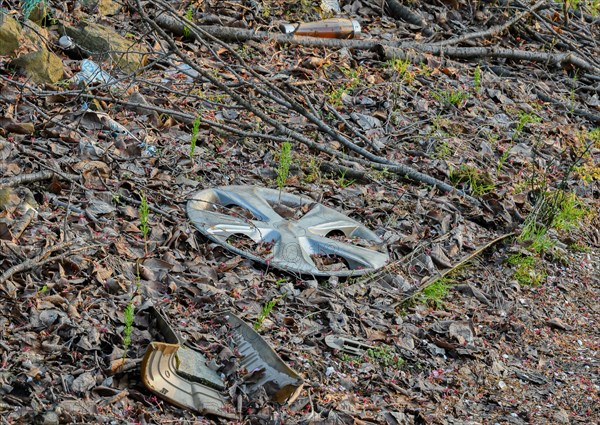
x,y
301,245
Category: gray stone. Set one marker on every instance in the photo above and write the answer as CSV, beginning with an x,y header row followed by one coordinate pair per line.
x,y
41,66
101,7
10,34
104,44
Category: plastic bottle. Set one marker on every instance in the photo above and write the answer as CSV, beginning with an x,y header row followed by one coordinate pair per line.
x,y
327,28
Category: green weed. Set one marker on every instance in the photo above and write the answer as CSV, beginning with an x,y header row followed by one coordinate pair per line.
x,y
579,247
266,9
402,67
189,15
434,294
314,171
385,356
283,170
570,211
451,97
353,81
343,181
128,317
477,79
527,270
478,182
144,213
525,118
194,139
264,313
442,150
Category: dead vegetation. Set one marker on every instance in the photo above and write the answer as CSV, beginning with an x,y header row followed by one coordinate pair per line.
x,y
464,134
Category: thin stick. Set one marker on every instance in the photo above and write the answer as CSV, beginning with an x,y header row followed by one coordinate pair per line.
x,y
446,272
38,261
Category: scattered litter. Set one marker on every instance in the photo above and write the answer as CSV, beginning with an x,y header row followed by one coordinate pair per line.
x,y
72,50
327,28
91,73
181,376
185,377
347,345
282,383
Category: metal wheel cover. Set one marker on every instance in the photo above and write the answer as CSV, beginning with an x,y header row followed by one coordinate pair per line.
x,y
293,241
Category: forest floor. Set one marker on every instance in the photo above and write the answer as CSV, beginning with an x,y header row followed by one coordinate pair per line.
x,y
487,311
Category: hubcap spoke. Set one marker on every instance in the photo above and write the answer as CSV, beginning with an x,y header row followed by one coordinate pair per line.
x,y
252,201
357,256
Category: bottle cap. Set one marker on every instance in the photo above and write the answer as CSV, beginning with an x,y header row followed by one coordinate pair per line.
x,y
65,42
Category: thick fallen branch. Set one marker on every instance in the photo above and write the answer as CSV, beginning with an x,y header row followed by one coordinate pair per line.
x,y
389,50
34,177
399,11
553,59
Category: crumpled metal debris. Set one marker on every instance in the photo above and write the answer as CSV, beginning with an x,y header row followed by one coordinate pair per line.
x,y
185,378
347,345
281,382
181,376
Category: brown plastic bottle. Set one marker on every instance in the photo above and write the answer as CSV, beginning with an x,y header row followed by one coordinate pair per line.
x,y
327,28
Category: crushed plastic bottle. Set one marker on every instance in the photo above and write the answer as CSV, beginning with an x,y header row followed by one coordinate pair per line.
x,y
327,28
92,73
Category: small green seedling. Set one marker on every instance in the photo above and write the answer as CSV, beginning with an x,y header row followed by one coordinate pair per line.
x,y
451,97
343,181
264,313
128,317
194,139
477,79
283,170
144,213
189,15
479,183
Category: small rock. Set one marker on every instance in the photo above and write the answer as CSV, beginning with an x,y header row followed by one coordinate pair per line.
x,y
83,383
101,7
41,66
10,34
